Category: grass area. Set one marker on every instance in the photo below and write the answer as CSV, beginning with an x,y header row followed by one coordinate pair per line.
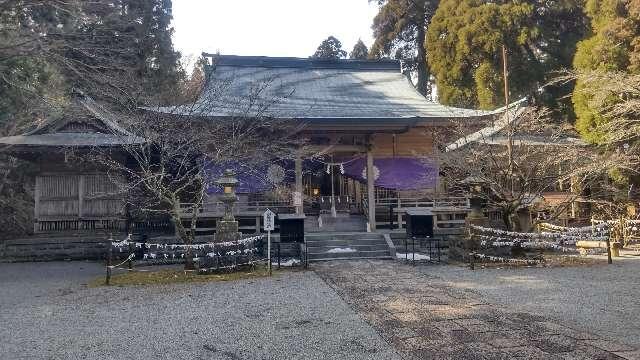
x,y
550,261
178,276
572,260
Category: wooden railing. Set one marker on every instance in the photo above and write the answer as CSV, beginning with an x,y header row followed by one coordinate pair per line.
x,y
342,202
249,208
55,225
449,212
439,202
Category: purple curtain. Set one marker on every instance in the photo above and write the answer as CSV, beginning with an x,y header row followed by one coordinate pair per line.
x,y
399,173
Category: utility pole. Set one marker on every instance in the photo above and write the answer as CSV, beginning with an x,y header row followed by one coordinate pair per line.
x,y
506,118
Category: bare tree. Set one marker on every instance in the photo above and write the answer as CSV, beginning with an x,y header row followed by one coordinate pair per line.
x,y
517,164
168,150
614,99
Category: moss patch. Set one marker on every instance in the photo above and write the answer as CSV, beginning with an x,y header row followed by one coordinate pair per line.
x,y
175,276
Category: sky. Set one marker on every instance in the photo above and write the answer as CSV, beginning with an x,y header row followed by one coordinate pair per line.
x,y
269,28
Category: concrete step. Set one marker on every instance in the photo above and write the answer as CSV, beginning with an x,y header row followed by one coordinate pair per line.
x,y
353,258
354,236
342,222
322,246
349,255
341,242
325,248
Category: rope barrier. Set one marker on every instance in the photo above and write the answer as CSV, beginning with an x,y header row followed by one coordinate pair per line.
x,y
127,241
131,257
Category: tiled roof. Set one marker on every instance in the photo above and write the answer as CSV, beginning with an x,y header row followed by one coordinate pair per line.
x,y
69,140
315,89
83,109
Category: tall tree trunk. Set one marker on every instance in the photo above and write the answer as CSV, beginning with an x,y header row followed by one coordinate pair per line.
x,y
186,238
421,64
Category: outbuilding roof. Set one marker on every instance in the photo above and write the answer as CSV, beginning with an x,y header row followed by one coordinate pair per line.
x,y
298,88
84,123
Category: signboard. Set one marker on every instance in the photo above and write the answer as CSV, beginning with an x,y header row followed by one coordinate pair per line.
x,y
269,219
297,198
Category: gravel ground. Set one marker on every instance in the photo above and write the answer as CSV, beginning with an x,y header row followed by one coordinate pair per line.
x,y
47,312
603,299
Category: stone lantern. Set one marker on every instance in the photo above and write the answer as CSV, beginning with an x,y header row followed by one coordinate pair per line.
x,y
227,227
475,188
476,217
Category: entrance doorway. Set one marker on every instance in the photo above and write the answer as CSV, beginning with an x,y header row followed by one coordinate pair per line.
x,y
324,197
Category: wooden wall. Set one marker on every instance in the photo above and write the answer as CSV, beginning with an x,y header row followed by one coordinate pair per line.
x,y
72,196
416,142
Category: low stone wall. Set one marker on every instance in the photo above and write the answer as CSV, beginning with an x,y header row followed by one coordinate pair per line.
x,y
94,247
457,247
54,248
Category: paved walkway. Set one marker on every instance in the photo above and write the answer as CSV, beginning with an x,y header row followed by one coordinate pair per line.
x,y
424,317
603,298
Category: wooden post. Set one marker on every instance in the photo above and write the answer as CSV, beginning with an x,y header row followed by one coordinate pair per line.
x,y
278,255
130,261
371,194
81,181
109,257
609,260
399,212
299,189
505,74
36,208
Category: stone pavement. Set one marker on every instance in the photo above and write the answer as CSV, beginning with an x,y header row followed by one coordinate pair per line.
x,y
423,318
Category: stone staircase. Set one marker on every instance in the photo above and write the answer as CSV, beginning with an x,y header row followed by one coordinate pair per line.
x,y
340,223
346,246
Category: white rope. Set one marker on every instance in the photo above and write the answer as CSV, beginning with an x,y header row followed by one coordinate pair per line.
x,y
131,257
128,241
506,260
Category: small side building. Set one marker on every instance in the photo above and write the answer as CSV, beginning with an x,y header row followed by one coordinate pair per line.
x,y
76,203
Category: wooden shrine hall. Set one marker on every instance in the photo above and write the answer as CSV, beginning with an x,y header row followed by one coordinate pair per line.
x,y
370,136
369,154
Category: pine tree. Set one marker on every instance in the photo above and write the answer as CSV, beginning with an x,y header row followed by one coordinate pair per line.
x,y
158,64
359,51
399,29
465,40
613,47
330,48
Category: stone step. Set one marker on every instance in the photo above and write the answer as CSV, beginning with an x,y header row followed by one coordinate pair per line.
x,y
342,222
325,248
349,255
344,242
355,236
353,258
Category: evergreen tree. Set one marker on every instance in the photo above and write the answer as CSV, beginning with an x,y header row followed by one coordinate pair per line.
x,y
399,28
613,47
359,51
117,51
465,41
158,64
330,48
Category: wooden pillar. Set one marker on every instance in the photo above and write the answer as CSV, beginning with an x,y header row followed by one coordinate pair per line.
x,y
371,195
399,212
298,186
258,218
81,187
36,208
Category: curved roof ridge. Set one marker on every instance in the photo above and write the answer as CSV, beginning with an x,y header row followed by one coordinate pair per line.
x,y
303,63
